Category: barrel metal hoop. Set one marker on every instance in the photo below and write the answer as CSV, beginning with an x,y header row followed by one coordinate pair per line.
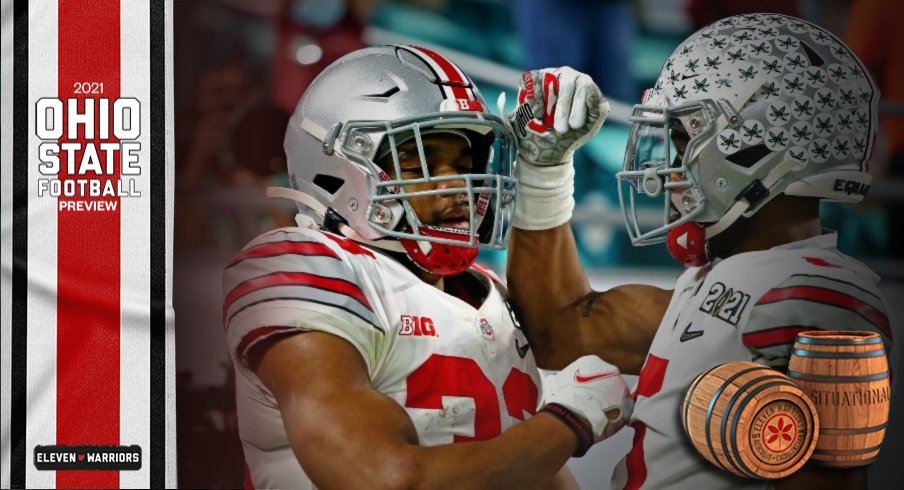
x,y
837,355
847,341
692,389
837,379
845,452
712,405
852,431
843,464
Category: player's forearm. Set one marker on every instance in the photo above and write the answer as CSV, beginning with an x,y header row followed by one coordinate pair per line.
x,y
545,280
527,455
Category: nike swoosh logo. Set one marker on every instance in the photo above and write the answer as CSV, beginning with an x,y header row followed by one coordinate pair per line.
x,y
689,334
522,349
592,377
685,77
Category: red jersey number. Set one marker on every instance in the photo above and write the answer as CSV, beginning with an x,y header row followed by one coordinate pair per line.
x,y
441,376
649,383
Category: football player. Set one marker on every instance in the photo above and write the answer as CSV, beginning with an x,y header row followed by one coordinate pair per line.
x,y
752,121
366,340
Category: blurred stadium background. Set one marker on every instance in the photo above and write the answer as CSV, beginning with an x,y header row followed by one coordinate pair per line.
x,y
240,67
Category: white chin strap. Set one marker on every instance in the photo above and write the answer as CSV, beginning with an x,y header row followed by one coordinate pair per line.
x,y
314,205
741,206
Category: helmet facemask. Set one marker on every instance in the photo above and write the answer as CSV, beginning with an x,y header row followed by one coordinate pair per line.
x,y
486,191
772,104
661,168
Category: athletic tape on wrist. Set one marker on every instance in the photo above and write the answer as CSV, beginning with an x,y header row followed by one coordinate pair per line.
x,y
545,195
578,426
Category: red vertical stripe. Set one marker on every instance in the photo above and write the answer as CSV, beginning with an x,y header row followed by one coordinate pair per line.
x,y
452,77
648,384
637,468
88,272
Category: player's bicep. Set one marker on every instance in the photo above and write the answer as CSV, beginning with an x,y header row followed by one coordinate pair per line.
x,y
341,429
809,302
618,325
286,282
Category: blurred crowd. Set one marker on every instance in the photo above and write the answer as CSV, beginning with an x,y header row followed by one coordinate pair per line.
x,y
240,68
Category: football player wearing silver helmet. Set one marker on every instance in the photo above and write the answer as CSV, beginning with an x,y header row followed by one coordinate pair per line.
x,y
366,341
753,120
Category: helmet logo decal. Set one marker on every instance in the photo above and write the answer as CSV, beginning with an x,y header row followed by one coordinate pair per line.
x,y
752,132
776,138
729,141
777,94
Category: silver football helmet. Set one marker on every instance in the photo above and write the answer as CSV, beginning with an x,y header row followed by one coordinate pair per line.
x,y
355,114
770,104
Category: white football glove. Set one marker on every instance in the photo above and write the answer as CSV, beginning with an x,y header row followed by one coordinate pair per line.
x,y
582,393
559,109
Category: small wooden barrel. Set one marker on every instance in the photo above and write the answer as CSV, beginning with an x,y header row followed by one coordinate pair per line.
x,y
750,420
846,376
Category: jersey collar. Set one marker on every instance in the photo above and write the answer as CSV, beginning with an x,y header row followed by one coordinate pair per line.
x,y
827,241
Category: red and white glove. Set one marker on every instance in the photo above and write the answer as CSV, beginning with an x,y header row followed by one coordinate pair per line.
x,y
559,109
582,393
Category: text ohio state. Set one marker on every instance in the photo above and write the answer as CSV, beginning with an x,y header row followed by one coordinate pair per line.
x,y
83,138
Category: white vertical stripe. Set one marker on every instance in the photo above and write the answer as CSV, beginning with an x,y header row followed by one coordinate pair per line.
x,y
6,233
461,74
440,72
42,252
170,322
135,216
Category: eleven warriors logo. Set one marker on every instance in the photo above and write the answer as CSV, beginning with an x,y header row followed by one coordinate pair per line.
x,y
778,432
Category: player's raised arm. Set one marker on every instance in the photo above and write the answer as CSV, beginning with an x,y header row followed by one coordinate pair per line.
x,y
346,434
558,111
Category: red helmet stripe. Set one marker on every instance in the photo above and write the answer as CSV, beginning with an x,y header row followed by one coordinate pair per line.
x,y
450,75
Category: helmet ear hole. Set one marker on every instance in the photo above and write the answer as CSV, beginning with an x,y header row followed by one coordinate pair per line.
x,y
329,183
815,59
749,156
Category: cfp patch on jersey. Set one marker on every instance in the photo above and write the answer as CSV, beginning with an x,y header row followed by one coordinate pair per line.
x,y
725,303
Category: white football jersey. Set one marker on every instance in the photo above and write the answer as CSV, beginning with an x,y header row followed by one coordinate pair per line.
x,y
461,373
749,307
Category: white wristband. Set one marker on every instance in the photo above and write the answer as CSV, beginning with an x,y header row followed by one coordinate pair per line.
x,y
545,195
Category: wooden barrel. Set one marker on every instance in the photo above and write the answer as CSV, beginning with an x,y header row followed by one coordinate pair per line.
x,y
750,420
846,376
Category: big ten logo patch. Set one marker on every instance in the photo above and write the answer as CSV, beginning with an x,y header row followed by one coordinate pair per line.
x,y
417,326
725,303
